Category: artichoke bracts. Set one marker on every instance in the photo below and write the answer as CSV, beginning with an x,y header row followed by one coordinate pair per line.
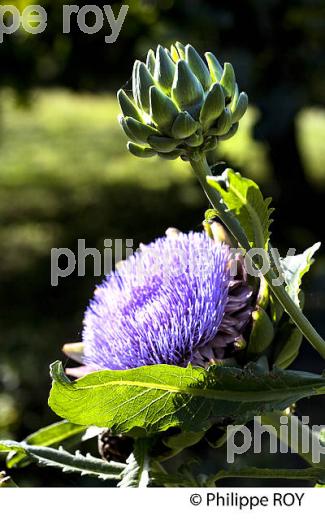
x,y
180,103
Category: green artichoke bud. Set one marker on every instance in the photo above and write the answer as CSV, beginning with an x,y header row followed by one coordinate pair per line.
x,y
262,333
288,345
181,103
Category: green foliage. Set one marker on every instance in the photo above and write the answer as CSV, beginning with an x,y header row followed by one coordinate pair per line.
x,y
158,397
244,199
51,435
294,268
65,461
136,474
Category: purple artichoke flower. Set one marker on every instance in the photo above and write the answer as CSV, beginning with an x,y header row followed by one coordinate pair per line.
x,y
173,302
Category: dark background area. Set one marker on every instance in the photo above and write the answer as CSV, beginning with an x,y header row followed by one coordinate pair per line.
x,y
277,49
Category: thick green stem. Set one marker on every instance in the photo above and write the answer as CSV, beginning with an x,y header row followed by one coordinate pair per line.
x,y
202,170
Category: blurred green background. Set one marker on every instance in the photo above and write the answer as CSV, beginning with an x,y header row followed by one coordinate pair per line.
x,y
65,173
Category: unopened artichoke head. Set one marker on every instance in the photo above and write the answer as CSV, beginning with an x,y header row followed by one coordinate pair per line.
x,y
180,103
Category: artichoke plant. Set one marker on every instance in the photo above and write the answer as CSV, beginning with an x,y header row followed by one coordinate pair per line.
x,y
180,103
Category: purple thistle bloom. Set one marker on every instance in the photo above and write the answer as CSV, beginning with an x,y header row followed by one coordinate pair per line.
x,y
173,302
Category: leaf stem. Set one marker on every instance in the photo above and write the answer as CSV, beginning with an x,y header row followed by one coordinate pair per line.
x,y
202,170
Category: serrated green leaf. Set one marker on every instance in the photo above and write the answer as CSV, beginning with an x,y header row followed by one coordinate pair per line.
x,y
244,199
136,473
51,435
158,397
293,269
65,461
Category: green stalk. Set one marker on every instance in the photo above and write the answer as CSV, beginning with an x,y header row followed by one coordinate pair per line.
x,y
202,170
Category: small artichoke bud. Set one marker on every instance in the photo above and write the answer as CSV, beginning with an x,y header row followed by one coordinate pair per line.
x,y
289,341
182,103
262,333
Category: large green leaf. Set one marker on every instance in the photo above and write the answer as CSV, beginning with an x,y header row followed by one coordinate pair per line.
x,y
65,461
293,269
158,397
243,197
52,435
